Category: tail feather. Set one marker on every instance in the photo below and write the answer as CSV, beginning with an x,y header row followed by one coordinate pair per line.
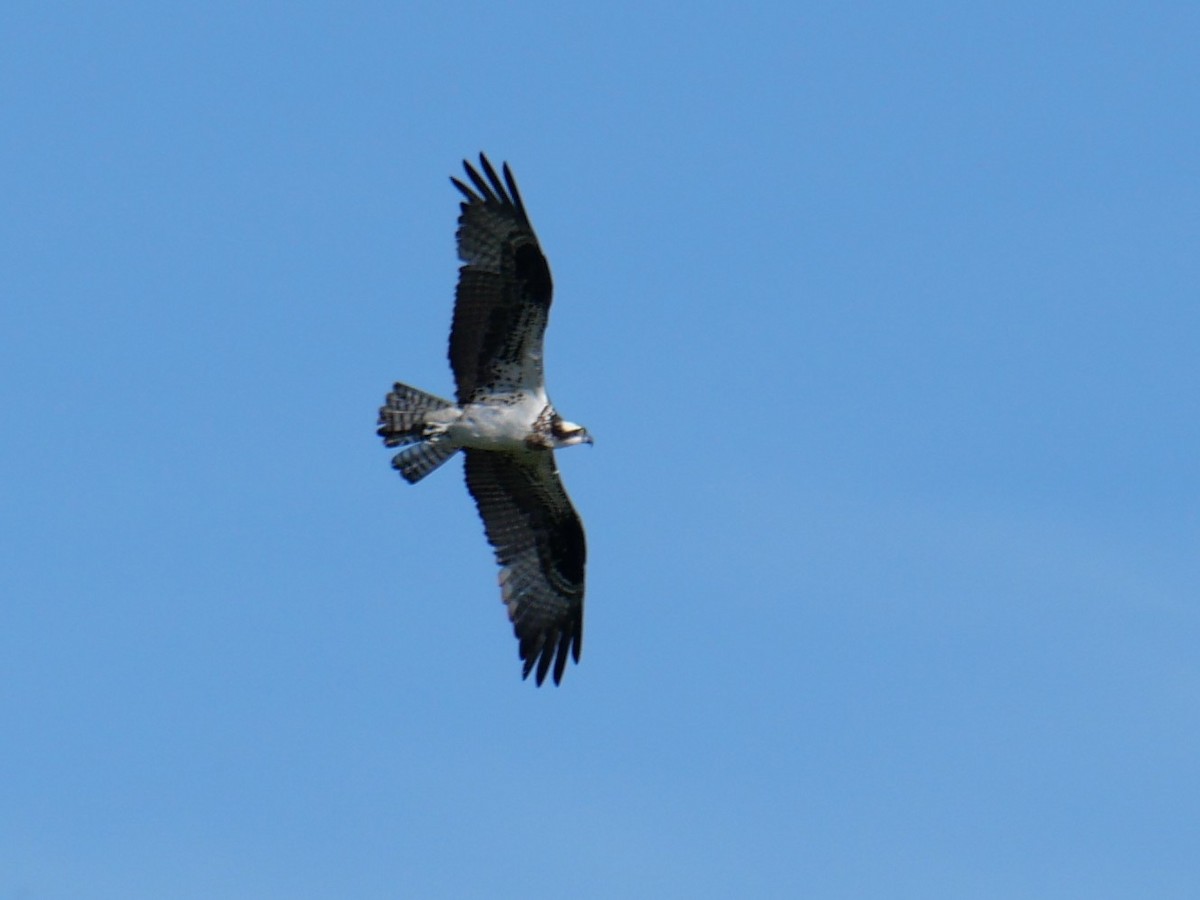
x,y
417,460
403,423
402,417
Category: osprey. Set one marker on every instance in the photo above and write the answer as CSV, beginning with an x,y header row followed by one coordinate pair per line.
x,y
504,422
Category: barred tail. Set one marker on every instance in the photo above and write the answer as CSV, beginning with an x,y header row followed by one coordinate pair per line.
x,y
402,423
402,417
418,460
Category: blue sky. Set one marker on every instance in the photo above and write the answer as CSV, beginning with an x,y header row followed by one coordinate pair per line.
x,y
884,318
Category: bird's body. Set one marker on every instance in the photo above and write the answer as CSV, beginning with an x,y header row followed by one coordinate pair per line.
x,y
504,422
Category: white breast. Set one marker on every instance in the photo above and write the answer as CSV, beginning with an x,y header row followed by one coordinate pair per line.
x,y
501,423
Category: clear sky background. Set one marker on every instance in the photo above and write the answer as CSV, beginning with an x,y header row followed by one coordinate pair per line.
x,y
884,317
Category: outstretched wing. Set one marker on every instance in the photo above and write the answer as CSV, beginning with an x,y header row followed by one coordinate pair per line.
x,y
539,544
504,290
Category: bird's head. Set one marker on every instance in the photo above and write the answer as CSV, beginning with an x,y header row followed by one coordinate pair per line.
x,y
568,434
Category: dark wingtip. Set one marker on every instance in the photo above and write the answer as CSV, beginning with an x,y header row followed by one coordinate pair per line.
x,y
488,169
463,189
550,655
485,190
544,661
490,187
561,653
514,193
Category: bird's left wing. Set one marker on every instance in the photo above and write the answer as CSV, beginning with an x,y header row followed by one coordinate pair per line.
x,y
539,543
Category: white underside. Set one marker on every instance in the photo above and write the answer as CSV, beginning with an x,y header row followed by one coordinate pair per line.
x,y
496,425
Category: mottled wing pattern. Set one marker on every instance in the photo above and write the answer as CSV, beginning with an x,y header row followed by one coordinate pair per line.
x,y
504,290
540,546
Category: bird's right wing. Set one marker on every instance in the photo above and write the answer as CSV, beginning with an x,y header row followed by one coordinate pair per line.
x,y
504,288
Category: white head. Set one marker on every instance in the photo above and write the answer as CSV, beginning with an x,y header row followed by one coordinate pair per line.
x,y
568,434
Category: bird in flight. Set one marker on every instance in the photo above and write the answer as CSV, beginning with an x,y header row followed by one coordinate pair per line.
x,y
503,422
